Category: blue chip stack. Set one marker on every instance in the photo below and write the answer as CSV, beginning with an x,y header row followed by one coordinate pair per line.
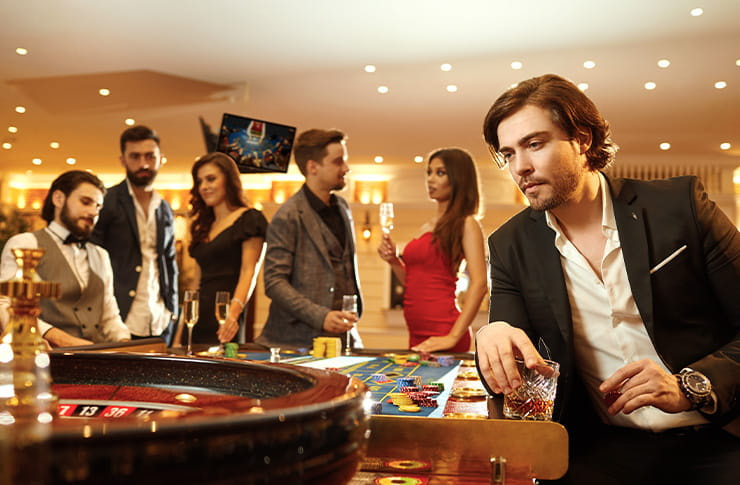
x,y
379,377
446,360
405,382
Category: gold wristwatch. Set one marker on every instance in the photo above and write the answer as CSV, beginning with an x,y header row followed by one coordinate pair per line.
x,y
695,386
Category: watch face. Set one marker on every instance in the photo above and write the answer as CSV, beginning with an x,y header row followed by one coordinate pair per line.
x,y
697,383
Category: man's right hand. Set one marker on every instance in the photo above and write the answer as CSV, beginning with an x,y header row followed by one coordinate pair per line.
x,y
339,322
497,345
60,338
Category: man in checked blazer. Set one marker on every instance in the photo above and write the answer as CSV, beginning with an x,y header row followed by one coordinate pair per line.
x,y
310,261
633,286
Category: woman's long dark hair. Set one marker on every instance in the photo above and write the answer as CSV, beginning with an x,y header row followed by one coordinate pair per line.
x,y
201,215
464,201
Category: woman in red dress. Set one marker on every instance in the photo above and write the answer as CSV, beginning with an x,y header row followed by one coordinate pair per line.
x,y
429,264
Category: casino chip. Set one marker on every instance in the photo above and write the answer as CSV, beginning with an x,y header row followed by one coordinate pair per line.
x,y
407,464
409,408
398,481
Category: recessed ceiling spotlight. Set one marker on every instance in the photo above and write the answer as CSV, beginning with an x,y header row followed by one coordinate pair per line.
x,y
663,63
7,145
103,91
589,64
737,62
452,88
516,65
378,159
665,146
71,161
383,89
696,12
725,146
650,85
720,85
164,160
20,109
54,145
418,159
12,129
446,67
21,51
583,86
512,86
36,161
369,68
129,121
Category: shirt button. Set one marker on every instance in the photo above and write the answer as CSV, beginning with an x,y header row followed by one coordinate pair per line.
x,y
89,308
132,293
138,269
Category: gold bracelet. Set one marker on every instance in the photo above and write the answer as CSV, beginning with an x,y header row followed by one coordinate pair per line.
x,y
241,303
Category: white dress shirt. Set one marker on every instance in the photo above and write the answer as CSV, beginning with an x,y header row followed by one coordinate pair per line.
x,y
608,331
148,315
77,259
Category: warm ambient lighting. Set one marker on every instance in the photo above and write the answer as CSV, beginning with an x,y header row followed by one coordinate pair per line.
x,y
21,51
583,86
720,85
589,64
378,159
369,68
650,85
446,67
129,121
54,145
12,129
20,109
7,145
103,92
36,161
696,12
516,65
664,63
382,89
665,146
725,146
418,159
452,88
71,161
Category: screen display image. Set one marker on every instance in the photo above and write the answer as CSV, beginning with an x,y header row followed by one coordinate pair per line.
x,y
256,145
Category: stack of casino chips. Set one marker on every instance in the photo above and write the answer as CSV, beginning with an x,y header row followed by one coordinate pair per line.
x,y
327,347
446,360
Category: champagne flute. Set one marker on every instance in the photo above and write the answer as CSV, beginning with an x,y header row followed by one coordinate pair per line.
x,y
190,314
223,298
349,305
386,217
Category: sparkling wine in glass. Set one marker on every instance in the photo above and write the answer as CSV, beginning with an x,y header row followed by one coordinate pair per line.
x,y
349,305
223,298
190,314
386,217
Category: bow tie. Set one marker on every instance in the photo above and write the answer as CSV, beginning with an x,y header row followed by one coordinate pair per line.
x,y
72,239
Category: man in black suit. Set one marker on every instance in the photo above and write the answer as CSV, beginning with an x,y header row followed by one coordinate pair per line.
x,y
136,226
632,285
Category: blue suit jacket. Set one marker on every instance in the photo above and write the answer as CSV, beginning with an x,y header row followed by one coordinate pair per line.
x,y
118,232
691,306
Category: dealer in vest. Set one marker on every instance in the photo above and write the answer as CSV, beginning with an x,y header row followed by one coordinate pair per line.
x,y
87,311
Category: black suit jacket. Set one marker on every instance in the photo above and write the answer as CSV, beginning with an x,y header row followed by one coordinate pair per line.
x,y
691,306
118,232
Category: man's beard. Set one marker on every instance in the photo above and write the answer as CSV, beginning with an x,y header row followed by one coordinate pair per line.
x,y
141,178
72,226
563,187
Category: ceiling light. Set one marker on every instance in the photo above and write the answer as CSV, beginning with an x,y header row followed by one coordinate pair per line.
x,y
664,63
21,51
665,146
418,159
583,86
378,159
452,88
720,85
737,62
7,145
589,64
696,12
36,161
164,160
12,129
516,65
382,89
54,145
129,121
103,91
71,161
20,109
446,67
725,146
650,85
369,68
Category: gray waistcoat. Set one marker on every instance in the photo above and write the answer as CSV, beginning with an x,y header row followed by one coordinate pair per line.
x,y
77,312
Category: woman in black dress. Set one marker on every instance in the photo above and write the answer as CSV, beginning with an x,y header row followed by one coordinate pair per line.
x,y
227,239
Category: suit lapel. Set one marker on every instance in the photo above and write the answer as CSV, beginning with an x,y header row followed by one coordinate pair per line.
x,y
127,203
312,223
631,221
550,271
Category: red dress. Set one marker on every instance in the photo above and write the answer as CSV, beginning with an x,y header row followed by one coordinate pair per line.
x,y
429,300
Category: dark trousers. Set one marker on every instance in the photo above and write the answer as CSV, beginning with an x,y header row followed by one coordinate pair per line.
x,y
706,456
